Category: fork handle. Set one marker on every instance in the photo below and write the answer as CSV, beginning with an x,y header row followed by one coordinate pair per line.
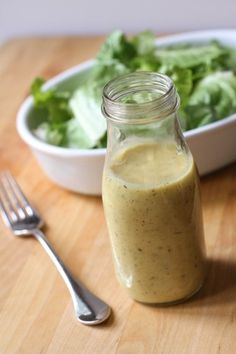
x,y
89,309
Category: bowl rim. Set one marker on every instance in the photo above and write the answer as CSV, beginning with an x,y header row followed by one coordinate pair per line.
x,y
30,139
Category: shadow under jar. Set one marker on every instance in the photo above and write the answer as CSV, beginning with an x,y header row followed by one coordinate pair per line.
x,y
151,191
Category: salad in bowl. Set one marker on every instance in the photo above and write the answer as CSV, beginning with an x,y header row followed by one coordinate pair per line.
x,y
63,118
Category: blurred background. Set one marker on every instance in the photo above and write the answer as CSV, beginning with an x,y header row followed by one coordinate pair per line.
x,y
73,17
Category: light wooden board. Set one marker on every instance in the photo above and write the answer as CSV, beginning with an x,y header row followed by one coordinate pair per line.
x,y
36,313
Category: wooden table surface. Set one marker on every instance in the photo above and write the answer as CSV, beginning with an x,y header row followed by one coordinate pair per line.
x,y
36,312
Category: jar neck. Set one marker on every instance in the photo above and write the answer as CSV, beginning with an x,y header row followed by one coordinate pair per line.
x,y
139,98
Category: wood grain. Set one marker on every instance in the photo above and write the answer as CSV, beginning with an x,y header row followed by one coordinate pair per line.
x,y
36,313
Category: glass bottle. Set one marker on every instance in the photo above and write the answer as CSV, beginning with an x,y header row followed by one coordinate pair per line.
x,y
151,192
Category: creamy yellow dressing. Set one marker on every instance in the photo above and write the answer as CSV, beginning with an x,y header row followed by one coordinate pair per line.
x,y
153,212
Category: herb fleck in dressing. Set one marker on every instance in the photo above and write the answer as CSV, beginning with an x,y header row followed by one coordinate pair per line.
x,y
153,212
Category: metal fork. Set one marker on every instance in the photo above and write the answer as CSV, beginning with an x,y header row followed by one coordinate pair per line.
x,y
23,220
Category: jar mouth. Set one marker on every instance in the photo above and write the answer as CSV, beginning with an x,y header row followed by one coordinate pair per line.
x,y
139,98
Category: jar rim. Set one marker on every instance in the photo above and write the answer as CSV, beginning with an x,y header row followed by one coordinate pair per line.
x,y
139,112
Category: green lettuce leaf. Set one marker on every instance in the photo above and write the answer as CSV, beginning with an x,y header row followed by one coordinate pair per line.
x,y
88,116
189,56
55,102
55,109
213,98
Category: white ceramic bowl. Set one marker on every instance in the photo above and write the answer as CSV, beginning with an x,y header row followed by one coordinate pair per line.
x,y
213,146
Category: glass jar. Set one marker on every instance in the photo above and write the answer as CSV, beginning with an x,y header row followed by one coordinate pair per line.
x,y
151,191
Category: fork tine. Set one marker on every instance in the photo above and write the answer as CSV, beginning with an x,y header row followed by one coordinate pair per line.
x,y
5,214
22,203
10,193
7,207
